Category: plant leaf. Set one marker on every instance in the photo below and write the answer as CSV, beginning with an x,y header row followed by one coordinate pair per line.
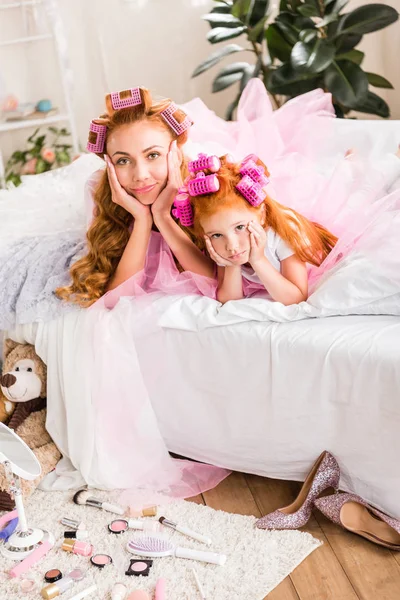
x,y
374,105
367,18
248,73
347,42
222,20
284,80
220,34
378,81
309,10
290,5
356,56
307,35
327,20
277,45
257,31
313,57
215,57
221,7
241,8
222,81
335,6
347,82
259,10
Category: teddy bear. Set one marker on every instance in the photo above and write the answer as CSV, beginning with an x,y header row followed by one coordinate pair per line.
x,y
23,409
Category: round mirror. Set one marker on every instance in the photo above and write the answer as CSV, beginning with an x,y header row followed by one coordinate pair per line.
x,y
23,462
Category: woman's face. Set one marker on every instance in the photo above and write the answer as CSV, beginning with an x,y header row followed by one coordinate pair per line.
x,y
139,154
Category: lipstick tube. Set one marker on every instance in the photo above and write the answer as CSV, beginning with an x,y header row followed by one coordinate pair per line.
x,y
55,589
77,547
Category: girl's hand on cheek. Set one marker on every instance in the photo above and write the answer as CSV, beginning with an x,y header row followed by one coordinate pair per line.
x,y
219,260
166,197
121,197
258,240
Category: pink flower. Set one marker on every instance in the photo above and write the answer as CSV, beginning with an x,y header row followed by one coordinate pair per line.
x,y
48,155
29,167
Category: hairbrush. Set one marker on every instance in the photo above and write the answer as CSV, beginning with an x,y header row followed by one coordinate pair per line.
x,y
157,547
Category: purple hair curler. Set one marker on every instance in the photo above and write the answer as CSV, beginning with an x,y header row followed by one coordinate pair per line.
x,y
98,133
183,209
255,172
168,116
133,100
212,163
203,184
251,191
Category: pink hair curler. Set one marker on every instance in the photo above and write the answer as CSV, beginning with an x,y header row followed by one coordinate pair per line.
x,y
133,100
183,209
203,184
96,132
255,172
168,116
212,163
251,191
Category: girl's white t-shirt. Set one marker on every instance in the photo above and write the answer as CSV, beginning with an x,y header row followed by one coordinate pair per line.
x,y
276,250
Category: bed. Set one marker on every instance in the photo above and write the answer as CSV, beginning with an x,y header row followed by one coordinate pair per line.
x,y
266,394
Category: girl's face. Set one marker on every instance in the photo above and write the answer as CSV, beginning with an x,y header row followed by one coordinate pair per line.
x,y
227,230
139,154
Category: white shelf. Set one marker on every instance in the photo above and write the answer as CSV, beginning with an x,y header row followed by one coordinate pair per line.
x,y
18,4
12,125
31,38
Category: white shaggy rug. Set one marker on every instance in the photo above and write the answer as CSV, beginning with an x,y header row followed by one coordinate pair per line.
x,y
257,560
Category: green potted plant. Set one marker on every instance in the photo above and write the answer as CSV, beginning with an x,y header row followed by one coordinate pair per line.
x,y
309,44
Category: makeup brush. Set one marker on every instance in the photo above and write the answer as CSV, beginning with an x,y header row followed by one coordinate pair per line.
x,y
185,531
83,497
156,547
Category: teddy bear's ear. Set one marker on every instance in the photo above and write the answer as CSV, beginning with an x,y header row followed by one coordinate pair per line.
x,y
8,346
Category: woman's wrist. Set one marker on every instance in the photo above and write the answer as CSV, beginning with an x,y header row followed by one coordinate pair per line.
x,y
144,220
161,214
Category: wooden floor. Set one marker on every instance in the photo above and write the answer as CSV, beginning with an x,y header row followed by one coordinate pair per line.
x,y
345,567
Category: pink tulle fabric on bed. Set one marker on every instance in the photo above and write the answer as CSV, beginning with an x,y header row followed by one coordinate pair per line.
x,y
131,452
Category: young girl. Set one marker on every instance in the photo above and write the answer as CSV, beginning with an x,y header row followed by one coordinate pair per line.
x,y
256,243
140,142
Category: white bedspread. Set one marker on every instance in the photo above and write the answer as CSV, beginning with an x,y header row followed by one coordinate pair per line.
x,y
261,397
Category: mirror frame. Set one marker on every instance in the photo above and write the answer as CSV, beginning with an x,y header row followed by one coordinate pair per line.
x,y
15,468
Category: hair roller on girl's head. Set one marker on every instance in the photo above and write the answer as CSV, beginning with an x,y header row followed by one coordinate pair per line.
x,y
126,98
203,162
183,208
255,172
251,190
169,118
203,184
97,138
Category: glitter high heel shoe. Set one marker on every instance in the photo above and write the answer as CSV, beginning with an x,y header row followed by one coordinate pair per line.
x,y
356,515
324,474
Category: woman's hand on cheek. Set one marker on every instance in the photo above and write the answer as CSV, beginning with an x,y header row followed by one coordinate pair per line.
x,y
166,197
258,240
122,198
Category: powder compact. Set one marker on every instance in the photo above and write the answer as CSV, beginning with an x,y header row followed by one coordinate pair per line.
x,y
118,526
101,560
52,575
139,567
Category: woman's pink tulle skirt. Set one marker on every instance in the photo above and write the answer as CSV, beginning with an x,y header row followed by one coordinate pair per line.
x,y
131,452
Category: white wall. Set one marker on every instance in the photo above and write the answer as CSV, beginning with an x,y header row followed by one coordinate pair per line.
x,y
155,43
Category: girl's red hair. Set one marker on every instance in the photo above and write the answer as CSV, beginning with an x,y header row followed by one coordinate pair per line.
x,y
310,241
